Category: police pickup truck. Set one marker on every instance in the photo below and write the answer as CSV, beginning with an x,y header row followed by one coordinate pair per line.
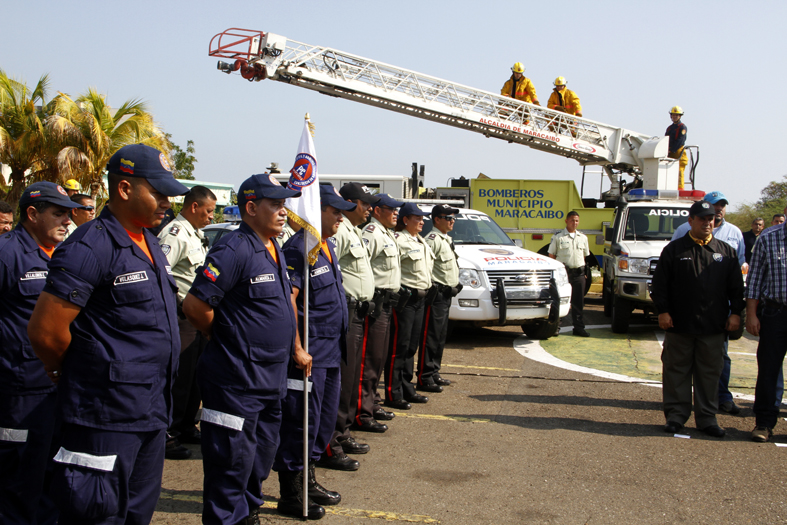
x,y
504,284
644,223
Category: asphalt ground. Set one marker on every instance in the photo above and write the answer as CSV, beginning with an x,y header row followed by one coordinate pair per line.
x,y
523,437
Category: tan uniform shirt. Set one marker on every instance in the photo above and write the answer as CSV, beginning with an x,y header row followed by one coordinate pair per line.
x,y
570,251
357,274
285,234
182,245
417,261
446,267
384,256
71,228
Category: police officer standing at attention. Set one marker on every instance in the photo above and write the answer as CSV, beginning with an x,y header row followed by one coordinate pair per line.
x,y
327,327
242,300
445,276
384,257
359,287
106,329
184,245
571,247
27,410
416,259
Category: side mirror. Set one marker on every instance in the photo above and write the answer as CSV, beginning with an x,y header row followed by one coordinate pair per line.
x,y
608,233
518,242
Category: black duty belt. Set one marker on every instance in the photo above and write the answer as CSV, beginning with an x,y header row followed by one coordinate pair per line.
x,y
362,308
575,271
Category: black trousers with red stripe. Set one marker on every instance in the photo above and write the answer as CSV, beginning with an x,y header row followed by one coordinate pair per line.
x,y
405,333
351,371
376,350
430,351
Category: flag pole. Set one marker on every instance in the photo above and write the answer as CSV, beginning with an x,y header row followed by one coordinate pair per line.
x,y
305,338
306,451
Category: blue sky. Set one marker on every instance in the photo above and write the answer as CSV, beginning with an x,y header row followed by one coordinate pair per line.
x,y
628,61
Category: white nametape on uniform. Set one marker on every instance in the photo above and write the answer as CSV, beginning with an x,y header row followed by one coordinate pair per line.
x,y
222,419
13,435
83,459
297,384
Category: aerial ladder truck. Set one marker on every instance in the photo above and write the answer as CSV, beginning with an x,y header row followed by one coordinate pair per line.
x,y
257,55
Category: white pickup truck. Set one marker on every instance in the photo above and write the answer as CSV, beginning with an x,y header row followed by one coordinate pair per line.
x,y
504,284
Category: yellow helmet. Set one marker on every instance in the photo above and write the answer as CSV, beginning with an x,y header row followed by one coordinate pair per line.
x,y
72,184
518,68
676,110
560,81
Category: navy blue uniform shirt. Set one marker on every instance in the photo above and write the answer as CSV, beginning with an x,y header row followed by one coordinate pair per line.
x,y
677,136
327,302
253,324
118,371
23,270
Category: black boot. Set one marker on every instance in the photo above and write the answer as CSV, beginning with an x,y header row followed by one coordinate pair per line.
x,y
253,518
319,494
291,500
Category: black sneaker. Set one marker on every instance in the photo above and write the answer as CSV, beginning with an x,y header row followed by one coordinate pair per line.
x,y
174,450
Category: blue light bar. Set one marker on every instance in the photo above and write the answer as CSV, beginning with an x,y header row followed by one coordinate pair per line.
x,y
231,214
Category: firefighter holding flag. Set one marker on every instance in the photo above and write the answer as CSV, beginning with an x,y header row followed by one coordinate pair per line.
x,y
316,280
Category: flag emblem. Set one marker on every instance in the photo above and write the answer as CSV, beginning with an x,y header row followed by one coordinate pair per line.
x,y
303,172
211,272
126,166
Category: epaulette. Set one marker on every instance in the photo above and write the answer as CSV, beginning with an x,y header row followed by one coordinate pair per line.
x,y
174,230
431,236
369,228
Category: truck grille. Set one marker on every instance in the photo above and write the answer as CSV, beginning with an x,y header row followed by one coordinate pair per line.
x,y
524,288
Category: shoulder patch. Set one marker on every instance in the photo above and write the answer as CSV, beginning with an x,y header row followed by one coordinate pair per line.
x,y
369,228
366,241
684,131
333,240
396,235
166,248
174,230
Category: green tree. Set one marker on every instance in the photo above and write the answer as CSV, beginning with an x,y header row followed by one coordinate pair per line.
x,y
22,131
183,160
773,200
86,132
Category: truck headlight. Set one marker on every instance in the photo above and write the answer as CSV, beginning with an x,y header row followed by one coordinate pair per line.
x,y
561,277
469,278
634,265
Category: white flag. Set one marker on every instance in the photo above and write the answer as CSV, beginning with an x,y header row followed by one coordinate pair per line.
x,y
305,210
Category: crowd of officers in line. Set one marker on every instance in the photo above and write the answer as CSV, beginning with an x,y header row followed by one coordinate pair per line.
x,y
113,338
567,101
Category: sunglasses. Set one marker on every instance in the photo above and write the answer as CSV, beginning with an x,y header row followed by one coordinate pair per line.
x,y
449,218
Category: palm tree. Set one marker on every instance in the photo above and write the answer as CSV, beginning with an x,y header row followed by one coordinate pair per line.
x,y
86,132
22,131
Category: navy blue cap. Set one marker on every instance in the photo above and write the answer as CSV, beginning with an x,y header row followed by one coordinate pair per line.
x,y
263,186
138,160
701,209
411,208
329,196
46,192
387,200
354,190
716,196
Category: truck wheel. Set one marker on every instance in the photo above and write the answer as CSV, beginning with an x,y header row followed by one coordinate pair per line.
x,y
737,334
606,297
621,313
541,329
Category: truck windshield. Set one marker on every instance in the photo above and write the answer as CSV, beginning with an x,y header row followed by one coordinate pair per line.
x,y
473,228
654,224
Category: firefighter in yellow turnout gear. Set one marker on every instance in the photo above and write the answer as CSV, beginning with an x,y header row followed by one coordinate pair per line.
x,y
563,99
519,86
677,140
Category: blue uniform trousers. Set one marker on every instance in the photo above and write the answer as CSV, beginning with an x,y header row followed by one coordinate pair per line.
x,y
323,403
90,488
240,434
27,423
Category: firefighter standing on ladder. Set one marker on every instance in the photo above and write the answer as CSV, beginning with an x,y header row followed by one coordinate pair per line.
x,y
677,140
519,86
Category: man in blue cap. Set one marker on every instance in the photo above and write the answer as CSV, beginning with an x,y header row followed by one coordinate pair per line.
x,y
106,330
732,235
328,319
27,412
242,301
